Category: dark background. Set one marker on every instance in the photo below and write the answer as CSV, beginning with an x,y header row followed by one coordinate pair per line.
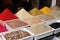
x,y
13,5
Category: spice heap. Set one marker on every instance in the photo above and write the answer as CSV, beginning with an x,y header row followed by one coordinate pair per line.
x,y
46,10
7,15
23,14
3,28
35,12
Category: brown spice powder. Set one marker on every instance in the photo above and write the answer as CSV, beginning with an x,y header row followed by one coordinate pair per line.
x,y
16,23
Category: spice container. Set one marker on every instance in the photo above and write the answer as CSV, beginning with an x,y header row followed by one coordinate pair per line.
x,y
46,17
56,14
18,34
16,23
52,37
1,37
41,30
54,24
33,20
58,35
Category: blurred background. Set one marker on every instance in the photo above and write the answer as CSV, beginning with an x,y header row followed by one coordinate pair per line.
x,y
15,5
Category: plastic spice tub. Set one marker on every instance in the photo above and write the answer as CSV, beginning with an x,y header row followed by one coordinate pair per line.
x,y
54,24
16,23
41,30
33,20
46,17
23,33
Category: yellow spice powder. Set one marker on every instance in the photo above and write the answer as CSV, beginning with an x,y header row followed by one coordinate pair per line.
x,y
46,10
35,12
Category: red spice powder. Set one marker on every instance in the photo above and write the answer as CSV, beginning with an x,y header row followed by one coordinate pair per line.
x,y
2,28
7,15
